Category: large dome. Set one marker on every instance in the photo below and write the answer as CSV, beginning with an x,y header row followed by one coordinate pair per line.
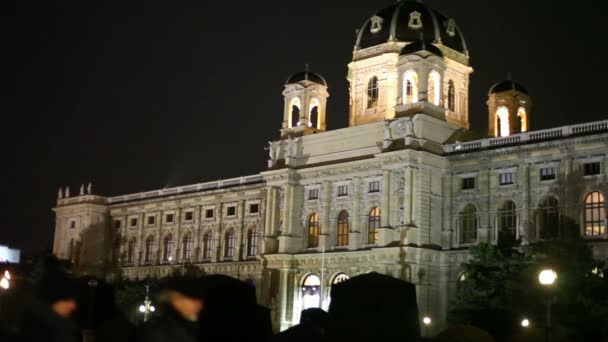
x,y
306,76
408,21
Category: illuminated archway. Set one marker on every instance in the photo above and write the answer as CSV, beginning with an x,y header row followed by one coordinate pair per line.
x,y
523,119
294,107
410,87
502,122
311,292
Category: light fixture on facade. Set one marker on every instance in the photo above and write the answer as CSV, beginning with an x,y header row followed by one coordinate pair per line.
x,y
547,277
525,323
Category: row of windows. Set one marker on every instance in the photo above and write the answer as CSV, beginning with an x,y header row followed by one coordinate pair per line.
x,y
254,208
548,219
252,248
410,90
546,174
343,190
342,234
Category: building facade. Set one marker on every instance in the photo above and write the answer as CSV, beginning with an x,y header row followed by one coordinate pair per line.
x,y
404,190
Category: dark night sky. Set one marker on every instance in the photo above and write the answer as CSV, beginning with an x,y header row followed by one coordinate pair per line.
x,y
141,95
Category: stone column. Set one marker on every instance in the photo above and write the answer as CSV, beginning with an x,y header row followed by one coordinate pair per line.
x,y
240,231
267,209
408,196
524,226
218,232
386,188
324,239
485,216
423,82
354,238
448,230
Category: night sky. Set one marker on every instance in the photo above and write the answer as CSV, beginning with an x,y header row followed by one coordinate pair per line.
x,y
136,96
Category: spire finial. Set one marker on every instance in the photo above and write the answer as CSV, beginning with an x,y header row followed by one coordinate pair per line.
x,y
306,67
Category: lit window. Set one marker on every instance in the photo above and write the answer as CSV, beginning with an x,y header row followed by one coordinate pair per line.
x,y
342,190
229,243
595,214
339,278
502,122
313,194
547,173
167,247
294,107
151,220
374,186
548,218
189,216
254,208
507,221
253,241
451,96
231,211
523,120
373,224
468,183
187,247
313,231
169,218
209,213
372,92
207,245
343,229
590,169
415,21
506,178
410,87
468,224
376,24
311,292
148,249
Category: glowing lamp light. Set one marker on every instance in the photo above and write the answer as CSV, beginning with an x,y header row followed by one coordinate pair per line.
x,y
547,277
152,308
4,283
142,308
426,320
7,275
525,323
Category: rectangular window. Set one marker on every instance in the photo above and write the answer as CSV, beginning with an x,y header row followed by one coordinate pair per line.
x,y
72,224
374,186
169,218
254,208
313,194
209,213
590,169
189,216
547,173
151,220
342,190
468,183
133,222
506,178
117,224
231,211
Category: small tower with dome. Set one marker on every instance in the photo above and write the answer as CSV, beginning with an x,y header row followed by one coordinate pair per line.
x,y
305,104
509,106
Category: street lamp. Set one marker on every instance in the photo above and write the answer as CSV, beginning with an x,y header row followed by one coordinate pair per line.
x,y
525,323
146,308
426,320
547,278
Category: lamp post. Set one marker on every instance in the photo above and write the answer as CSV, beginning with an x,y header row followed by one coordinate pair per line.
x,y
547,278
426,321
146,308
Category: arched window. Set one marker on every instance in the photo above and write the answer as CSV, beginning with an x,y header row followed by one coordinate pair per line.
x,y
451,96
373,92
311,292
507,221
595,214
410,87
502,122
167,247
523,120
343,229
339,278
131,250
72,250
207,245
434,91
148,249
313,231
229,243
294,107
468,224
187,247
116,251
253,241
548,218
314,114
373,224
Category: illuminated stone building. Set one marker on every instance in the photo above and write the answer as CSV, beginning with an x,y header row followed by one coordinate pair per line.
x,y
403,190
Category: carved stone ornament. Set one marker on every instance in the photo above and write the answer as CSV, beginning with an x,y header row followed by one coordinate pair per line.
x,y
376,24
